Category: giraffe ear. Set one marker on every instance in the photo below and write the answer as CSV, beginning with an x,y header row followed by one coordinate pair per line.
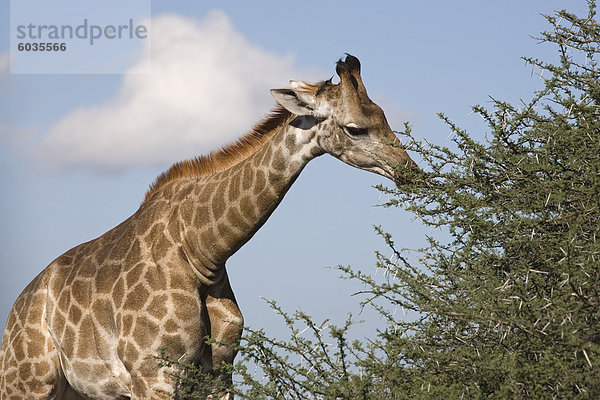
x,y
295,102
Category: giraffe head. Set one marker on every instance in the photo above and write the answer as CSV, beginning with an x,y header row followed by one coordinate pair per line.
x,y
347,124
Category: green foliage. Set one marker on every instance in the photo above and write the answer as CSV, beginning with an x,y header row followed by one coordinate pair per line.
x,y
194,381
315,361
507,304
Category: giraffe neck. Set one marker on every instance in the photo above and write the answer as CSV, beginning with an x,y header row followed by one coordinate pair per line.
x,y
221,212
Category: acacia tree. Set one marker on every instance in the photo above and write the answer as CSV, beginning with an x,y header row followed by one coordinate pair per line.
x,y
507,304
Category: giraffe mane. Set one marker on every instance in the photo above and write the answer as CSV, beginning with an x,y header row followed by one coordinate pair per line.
x,y
227,156
313,88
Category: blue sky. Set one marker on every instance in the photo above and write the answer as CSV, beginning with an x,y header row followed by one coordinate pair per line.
x,y
77,152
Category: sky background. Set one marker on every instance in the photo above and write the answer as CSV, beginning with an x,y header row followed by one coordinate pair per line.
x,y
77,152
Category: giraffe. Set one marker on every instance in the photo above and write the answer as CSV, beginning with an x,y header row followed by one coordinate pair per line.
x,y
90,325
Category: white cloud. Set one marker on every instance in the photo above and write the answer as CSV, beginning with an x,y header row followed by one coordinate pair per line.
x,y
207,87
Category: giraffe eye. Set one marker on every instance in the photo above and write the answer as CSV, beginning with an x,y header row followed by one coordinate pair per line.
x,y
355,131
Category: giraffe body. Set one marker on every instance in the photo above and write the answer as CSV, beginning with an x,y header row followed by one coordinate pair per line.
x,y
90,325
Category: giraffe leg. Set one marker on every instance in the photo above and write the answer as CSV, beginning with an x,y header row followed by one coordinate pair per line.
x,y
226,324
26,378
29,362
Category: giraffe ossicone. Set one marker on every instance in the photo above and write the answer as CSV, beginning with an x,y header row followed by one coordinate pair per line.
x,y
90,325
